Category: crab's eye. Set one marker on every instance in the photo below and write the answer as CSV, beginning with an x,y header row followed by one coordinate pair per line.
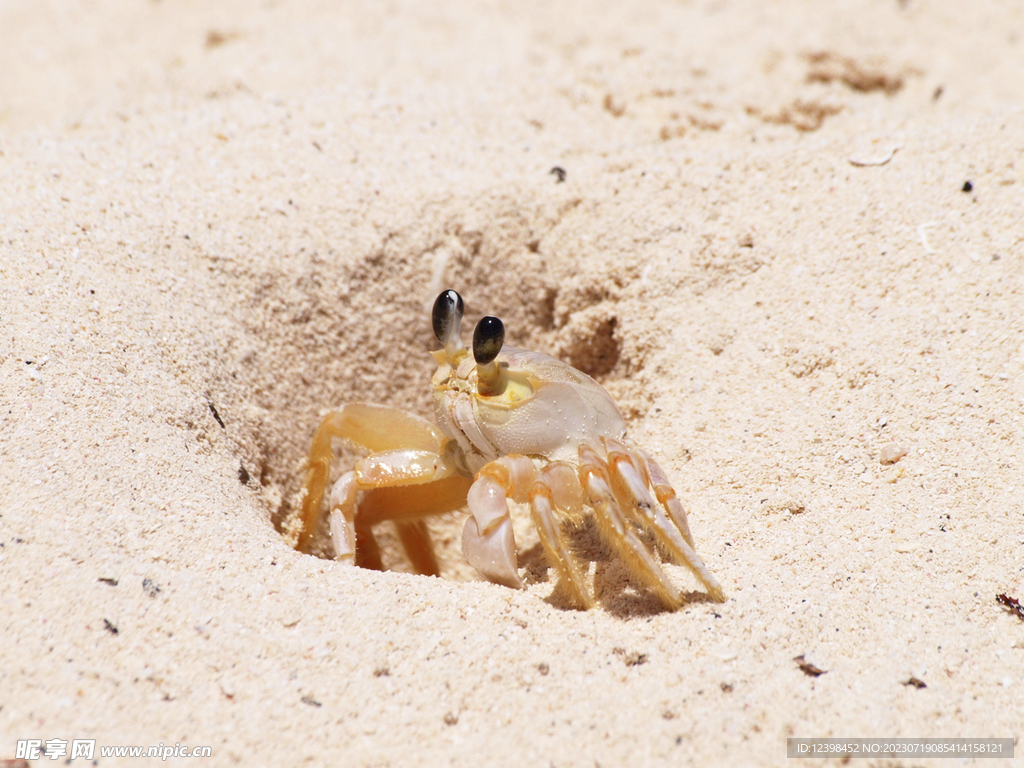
x,y
487,340
448,310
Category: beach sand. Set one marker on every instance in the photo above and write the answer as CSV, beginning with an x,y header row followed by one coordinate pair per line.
x,y
789,241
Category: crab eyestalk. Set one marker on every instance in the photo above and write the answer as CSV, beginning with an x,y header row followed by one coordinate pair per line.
x,y
447,319
488,338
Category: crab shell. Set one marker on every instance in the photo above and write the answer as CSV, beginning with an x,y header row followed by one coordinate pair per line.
x,y
545,409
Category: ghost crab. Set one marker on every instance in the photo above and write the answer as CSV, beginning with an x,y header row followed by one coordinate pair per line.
x,y
511,424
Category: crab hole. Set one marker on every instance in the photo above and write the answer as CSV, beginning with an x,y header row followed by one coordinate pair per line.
x,y
325,325
593,345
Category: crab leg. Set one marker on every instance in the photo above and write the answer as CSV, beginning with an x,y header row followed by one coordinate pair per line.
x,y
374,427
617,531
344,497
415,537
559,490
667,496
367,554
630,486
354,512
359,501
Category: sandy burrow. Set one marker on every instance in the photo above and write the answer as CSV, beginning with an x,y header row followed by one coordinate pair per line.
x,y
789,237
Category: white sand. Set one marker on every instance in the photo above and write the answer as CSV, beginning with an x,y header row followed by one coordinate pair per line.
x,y
241,208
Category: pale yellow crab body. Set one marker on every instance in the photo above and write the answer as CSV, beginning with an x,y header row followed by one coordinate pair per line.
x,y
547,410
512,425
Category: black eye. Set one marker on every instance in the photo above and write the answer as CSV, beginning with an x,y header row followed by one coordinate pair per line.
x,y
487,340
448,308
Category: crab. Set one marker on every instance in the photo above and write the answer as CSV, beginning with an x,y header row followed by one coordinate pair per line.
x,y
511,425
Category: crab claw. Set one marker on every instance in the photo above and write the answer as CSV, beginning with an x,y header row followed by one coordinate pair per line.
x,y
487,539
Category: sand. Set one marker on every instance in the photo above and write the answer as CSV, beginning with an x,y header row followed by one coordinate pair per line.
x,y
790,237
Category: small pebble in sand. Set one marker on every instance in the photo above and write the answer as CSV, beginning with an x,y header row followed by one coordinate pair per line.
x,y
1012,605
891,453
782,503
807,668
